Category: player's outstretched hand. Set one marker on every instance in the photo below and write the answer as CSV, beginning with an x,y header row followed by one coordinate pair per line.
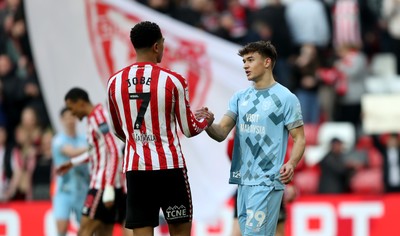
x,y
287,172
64,168
204,113
201,113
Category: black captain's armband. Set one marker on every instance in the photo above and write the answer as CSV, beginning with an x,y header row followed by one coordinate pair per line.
x,y
136,80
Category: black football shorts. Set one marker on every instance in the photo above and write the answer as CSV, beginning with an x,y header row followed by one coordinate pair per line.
x,y
148,191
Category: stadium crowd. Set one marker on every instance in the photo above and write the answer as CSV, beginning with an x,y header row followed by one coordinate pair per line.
x,y
325,50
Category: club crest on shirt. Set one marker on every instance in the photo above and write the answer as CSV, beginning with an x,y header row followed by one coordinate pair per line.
x,y
266,105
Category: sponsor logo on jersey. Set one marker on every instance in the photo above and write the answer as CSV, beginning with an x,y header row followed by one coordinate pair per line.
x,y
144,138
236,174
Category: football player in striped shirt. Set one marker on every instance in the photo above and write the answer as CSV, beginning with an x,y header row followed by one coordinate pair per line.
x,y
264,115
105,201
147,103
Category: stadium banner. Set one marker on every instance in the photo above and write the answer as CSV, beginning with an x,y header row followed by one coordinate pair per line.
x,y
36,219
380,114
81,43
317,215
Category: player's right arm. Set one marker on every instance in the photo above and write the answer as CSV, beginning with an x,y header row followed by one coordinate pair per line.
x,y
64,168
70,151
188,123
220,131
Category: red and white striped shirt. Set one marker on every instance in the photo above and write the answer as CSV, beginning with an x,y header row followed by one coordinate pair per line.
x,y
103,151
146,102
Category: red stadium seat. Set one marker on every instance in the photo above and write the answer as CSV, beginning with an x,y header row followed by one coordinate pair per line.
x,y
364,142
367,181
307,180
311,133
375,158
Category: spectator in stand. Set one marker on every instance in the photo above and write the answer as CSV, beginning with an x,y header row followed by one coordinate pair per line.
x,y
43,173
346,23
8,15
190,13
234,24
391,17
210,17
371,33
6,163
306,83
336,170
13,94
308,23
24,161
390,150
166,7
30,123
352,64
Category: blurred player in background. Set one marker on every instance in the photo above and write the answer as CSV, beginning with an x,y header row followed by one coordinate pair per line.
x,y
105,201
147,103
72,187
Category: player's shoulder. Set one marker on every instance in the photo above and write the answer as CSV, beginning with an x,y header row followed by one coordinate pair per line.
x,y
243,92
171,72
116,74
119,73
56,138
282,92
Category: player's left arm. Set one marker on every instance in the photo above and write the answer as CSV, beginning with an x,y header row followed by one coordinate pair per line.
x,y
111,166
293,119
112,150
299,144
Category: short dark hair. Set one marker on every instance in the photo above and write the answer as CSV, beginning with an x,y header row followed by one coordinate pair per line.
x,y
264,48
145,34
76,94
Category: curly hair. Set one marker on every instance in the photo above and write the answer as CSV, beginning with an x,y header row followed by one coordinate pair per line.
x,y
144,34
